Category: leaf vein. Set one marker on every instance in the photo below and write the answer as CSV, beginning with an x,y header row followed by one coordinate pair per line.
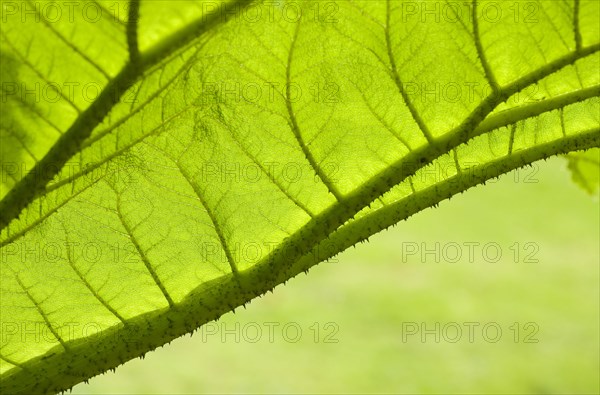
x,y
41,312
294,123
140,251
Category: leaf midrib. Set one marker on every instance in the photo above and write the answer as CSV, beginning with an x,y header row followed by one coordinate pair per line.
x,y
204,304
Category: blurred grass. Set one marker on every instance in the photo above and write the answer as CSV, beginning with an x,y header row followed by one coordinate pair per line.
x,y
372,292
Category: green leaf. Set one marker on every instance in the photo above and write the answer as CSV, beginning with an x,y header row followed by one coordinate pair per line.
x,y
585,169
160,171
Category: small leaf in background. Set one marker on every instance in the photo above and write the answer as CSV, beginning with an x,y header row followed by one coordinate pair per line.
x,y
585,169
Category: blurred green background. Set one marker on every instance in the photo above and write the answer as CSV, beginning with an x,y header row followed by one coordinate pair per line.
x,y
390,317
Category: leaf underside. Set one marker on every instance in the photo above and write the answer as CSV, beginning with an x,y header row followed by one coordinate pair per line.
x,y
159,171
